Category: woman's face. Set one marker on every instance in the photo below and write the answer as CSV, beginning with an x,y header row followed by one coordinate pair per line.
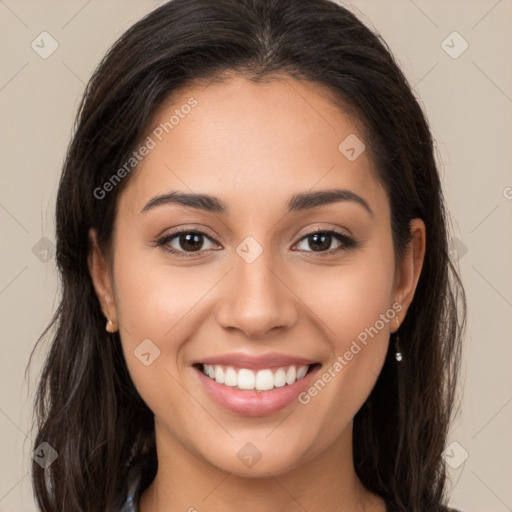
x,y
252,294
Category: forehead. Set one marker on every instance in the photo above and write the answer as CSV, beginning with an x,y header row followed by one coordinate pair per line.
x,y
253,143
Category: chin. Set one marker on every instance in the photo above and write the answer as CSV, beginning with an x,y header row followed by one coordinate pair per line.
x,y
249,461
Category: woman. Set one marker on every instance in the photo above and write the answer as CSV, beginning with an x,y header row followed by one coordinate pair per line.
x,y
258,306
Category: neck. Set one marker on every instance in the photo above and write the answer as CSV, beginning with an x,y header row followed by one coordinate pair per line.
x,y
187,482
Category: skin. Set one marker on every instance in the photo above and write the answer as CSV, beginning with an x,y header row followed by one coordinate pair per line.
x,y
253,146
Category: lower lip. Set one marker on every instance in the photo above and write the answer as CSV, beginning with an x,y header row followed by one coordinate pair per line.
x,y
251,402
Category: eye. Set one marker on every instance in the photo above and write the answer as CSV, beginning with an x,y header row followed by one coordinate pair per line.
x,y
189,242
185,242
321,241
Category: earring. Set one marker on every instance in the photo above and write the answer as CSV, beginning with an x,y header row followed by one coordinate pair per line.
x,y
110,326
398,354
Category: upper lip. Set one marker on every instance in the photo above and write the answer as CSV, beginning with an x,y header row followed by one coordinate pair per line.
x,y
253,362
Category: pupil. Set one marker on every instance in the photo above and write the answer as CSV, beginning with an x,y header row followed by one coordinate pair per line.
x,y
322,237
189,239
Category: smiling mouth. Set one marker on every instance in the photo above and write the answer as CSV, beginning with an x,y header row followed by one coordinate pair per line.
x,y
264,379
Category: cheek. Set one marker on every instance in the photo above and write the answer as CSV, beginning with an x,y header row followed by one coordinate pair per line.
x,y
355,304
154,299
153,304
351,298
364,296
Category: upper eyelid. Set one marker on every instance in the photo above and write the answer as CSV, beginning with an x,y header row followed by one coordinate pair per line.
x,y
173,234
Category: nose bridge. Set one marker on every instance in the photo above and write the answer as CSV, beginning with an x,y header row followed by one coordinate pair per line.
x,y
255,299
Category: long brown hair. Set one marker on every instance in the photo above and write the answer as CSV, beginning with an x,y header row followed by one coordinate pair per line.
x,y
87,407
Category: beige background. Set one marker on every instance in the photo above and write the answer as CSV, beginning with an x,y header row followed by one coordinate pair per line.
x,y
469,104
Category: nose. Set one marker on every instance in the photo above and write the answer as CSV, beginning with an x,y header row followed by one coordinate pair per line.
x,y
256,299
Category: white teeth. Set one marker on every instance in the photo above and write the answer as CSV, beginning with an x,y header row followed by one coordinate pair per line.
x,y
219,374
261,380
291,375
280,377
302,370
246,379
230,378
264,380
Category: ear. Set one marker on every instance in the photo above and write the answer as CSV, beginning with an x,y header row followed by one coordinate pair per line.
x,y
409,269
101,278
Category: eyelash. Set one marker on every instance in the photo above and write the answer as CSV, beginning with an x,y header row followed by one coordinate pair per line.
x,y
347,242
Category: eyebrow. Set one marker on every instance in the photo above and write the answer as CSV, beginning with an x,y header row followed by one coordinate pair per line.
x,y
298,202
